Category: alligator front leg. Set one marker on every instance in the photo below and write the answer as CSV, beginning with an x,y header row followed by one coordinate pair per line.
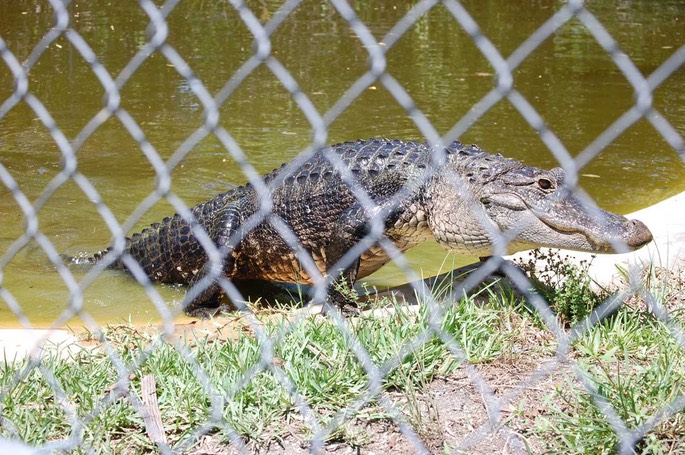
x,y
341,293
204,292
351,229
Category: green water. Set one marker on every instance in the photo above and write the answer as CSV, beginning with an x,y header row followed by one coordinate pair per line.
x,y
569,80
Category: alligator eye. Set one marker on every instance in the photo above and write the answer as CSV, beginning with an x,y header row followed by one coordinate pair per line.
x,y
545,184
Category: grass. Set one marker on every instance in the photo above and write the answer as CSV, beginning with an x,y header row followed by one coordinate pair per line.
x,y
303,379
632,364
628,369
196,378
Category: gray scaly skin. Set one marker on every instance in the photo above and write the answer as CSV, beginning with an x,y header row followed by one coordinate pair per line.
x,y
465,202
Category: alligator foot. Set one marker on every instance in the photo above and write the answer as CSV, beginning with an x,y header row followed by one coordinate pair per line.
x,y
347,310
337,302
208,312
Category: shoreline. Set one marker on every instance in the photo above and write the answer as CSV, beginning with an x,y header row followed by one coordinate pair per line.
x,y
665,219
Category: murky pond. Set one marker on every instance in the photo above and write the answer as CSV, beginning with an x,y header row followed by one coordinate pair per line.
x,y
569,80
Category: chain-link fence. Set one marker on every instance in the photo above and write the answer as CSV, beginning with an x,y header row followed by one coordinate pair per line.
x,y
262,31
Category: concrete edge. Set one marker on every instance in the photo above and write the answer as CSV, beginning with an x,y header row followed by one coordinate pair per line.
x,y
17,344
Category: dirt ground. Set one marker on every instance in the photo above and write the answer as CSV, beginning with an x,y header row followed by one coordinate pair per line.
x,y
455,418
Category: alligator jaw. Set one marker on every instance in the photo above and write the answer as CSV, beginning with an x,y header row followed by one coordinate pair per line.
x,y
604,232
634,234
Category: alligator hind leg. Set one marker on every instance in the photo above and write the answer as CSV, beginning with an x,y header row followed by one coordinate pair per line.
x,y
204,298
204,291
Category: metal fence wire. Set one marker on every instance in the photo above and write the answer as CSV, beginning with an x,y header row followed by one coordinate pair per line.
x,y
503,90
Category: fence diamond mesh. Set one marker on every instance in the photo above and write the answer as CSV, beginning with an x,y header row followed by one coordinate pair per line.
x,y
210,94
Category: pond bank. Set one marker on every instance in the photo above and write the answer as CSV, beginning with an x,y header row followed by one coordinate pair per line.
x,y
666,220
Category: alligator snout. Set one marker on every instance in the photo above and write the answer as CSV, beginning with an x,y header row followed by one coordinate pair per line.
x,y
637,234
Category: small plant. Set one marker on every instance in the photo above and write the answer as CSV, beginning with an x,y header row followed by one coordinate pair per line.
x,y
633,369
566,286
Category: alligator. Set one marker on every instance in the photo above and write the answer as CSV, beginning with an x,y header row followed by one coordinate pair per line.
x,y
345,210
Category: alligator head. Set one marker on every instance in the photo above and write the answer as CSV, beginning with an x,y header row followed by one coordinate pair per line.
x,y
487,204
